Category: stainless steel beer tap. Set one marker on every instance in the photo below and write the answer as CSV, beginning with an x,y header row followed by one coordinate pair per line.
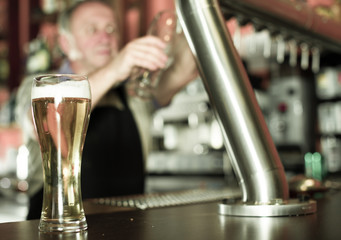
x,y
247,140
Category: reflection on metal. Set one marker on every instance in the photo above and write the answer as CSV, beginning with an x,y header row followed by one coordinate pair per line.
x,y
252,152
268,228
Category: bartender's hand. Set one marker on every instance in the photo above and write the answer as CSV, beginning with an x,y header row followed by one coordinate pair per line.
x,y
145,52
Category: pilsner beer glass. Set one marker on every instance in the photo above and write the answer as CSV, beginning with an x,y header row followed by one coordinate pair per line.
x,y
61,105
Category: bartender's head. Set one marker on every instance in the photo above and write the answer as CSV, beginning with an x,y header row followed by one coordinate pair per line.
x,y
88,35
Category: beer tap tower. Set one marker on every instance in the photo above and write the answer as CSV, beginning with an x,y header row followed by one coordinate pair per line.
x,y
253,154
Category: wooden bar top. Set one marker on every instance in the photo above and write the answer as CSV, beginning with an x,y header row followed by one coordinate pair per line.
x,y
194,221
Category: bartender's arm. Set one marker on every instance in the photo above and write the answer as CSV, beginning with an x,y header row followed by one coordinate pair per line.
x,y
146,52
179,74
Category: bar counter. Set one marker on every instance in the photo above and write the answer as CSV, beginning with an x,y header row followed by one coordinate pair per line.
x,y
192,221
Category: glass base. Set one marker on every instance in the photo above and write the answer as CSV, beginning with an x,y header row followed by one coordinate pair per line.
x,y
56,225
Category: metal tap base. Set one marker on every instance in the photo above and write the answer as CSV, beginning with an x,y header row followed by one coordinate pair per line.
x,y
292,207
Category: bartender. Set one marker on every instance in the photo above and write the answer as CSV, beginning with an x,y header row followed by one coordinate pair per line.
x,y
114,151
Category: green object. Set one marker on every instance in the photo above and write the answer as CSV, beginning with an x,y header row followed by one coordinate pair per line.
x,y
314,166
308,163
317,166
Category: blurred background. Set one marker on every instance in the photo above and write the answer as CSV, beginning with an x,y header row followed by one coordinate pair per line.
x,y
297,87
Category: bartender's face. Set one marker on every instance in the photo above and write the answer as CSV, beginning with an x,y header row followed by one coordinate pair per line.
x,y
95,36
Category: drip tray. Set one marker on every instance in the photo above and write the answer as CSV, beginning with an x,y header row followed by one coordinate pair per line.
x,y
159,200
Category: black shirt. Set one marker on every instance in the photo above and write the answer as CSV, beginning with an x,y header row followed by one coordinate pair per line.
x,y
112,162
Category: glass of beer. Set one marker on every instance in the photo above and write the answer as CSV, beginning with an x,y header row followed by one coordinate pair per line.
x,y
165,26
61,105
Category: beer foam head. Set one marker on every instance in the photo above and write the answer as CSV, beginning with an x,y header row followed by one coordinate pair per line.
x,y
70,89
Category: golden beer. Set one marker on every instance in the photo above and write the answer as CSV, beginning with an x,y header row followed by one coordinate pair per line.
x,y
61,123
